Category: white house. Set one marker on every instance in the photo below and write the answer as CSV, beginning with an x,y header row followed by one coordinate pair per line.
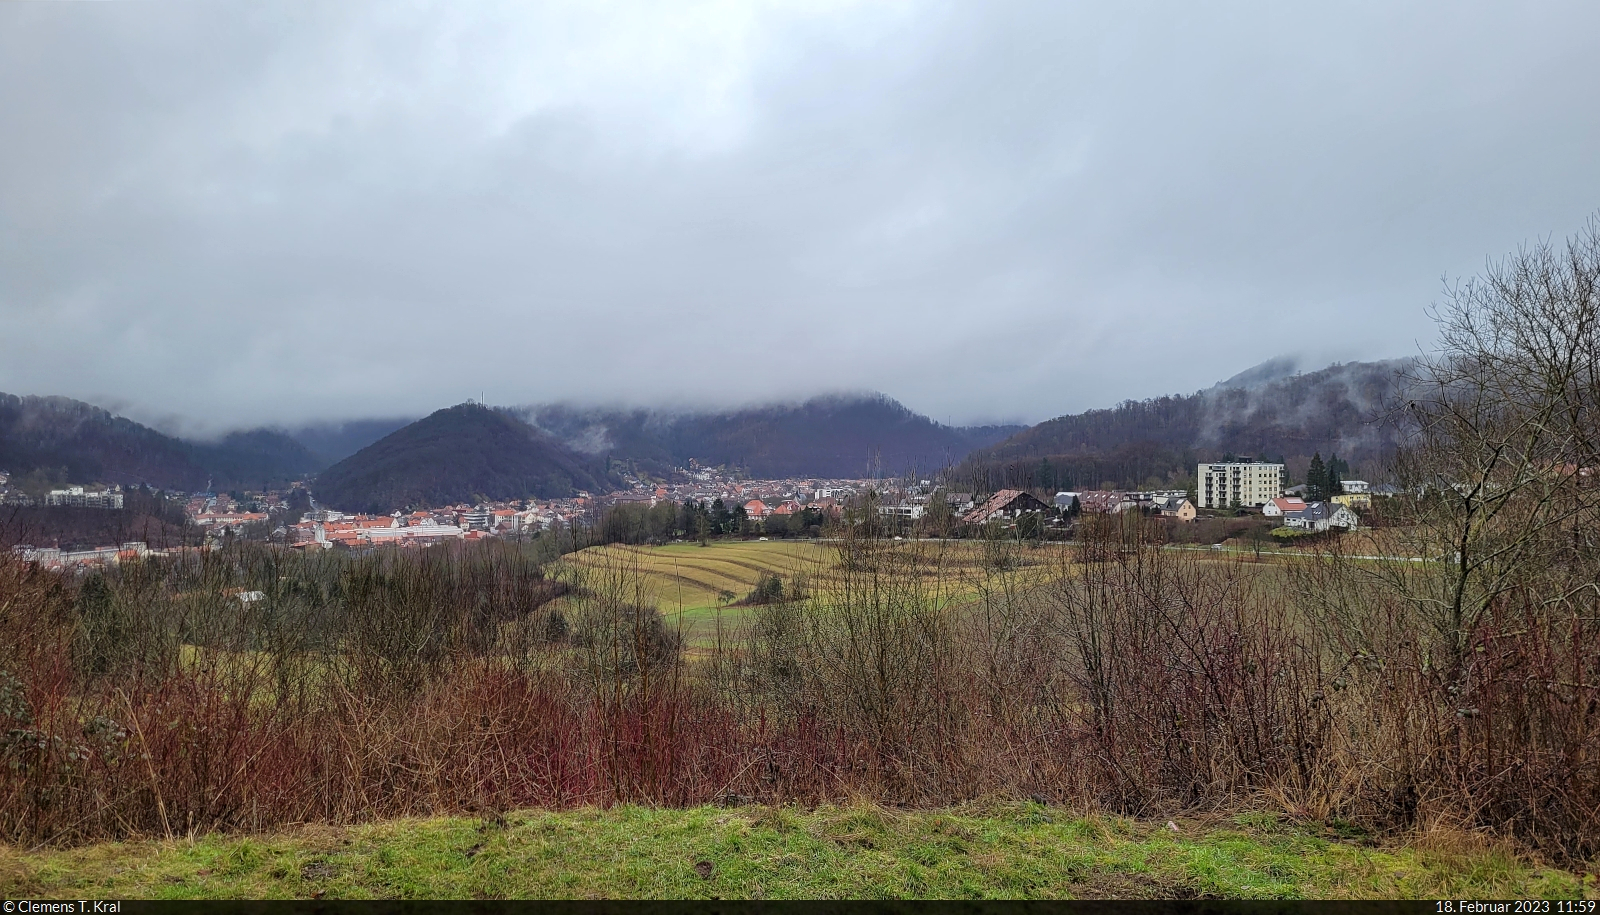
x,y
1320,516
1282,505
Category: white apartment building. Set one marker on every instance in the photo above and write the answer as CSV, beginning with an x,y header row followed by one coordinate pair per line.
x,y
75,495
1245,483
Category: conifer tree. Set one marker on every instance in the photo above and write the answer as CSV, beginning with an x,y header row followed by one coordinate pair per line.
x,y
1316,480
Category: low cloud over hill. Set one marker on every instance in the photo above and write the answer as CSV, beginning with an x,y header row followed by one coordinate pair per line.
x,y
1268,411
72,441
834,436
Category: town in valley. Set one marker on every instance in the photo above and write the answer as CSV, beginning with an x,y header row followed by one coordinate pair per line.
x,y
735,506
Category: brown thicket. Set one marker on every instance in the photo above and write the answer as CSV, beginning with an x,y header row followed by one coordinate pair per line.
x,y
1110,673
1474,642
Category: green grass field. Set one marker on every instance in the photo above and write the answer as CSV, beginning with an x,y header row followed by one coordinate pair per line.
x,y
1004,851
692,578
693,585
696,584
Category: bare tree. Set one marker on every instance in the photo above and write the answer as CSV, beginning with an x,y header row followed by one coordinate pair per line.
x,y
1502,444
1472,638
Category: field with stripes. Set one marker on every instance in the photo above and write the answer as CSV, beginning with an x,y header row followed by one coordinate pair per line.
x,y
695,584
698,585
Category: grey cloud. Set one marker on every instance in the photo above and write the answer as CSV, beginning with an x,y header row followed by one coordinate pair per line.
x,y
299,212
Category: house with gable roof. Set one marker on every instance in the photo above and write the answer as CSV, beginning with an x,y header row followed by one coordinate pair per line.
x,y
1282,506
1007,504
1321,516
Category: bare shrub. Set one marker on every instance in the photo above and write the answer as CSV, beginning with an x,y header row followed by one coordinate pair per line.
x,y
1472,647
1189,677
875,652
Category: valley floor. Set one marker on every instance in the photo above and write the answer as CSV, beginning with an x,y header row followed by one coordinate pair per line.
x,y
1010,851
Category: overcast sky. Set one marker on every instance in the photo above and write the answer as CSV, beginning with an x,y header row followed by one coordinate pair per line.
x,y
220,214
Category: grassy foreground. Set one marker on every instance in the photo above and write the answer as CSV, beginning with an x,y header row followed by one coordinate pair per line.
x,y
1015,851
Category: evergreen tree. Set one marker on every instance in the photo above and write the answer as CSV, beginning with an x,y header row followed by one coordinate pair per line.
x,y
721,518
1316,479
1332,476
687,513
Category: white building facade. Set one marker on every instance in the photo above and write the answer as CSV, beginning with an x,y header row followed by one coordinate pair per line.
x,y
1250,484
77,497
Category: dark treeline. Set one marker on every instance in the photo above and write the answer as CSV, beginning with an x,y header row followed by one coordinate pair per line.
x,y
635,523
1125,466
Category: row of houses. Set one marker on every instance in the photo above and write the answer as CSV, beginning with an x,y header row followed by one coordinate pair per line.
x,y
228,522
326,529
1299,514
757,510
1011,504
1171,503
425,534
1255,486
1005,505
54,558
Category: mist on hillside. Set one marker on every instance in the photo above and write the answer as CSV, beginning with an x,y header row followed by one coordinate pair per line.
x,y
1342,407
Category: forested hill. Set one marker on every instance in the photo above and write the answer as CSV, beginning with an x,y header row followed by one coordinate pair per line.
x,y
1264,412
71,441
835,436
460,454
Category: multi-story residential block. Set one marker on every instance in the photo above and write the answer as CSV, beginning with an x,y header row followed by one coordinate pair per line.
x,y
1244,483
76,496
